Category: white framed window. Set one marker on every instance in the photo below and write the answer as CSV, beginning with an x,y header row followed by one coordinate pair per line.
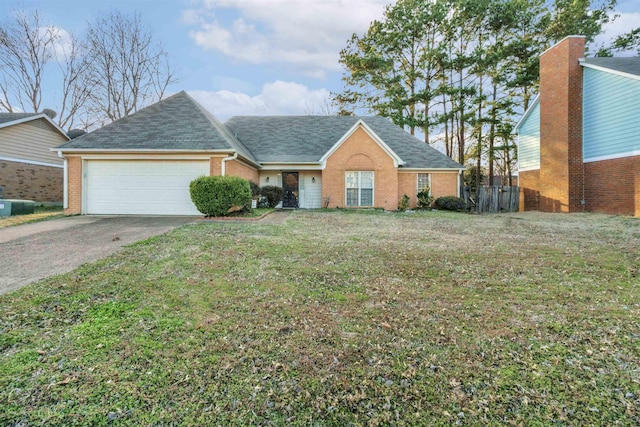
x,y
424,182
359,188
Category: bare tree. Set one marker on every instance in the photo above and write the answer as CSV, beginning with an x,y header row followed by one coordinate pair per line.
x,y
320,108
25,48
126,69
70,54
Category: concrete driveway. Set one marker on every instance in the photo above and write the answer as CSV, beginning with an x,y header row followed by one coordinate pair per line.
x,y
32,252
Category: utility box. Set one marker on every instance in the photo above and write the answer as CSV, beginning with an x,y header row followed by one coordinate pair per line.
x,y
21,207
5,208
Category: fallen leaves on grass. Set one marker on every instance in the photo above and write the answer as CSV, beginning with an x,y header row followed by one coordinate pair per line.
x,y
337,319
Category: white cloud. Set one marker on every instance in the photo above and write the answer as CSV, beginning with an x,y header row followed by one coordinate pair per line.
x,y
305,34
624,23
62,45
276,98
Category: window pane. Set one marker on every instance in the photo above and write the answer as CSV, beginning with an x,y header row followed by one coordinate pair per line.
x,y
423,181
352,179
352,197
366,179
366,197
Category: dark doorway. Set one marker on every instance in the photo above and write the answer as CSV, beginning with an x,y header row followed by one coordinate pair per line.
x,y
290,189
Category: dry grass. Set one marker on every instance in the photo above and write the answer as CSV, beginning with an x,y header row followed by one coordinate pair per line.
x,y
41,214
338,318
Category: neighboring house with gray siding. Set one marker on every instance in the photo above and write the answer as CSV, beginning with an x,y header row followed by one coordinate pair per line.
x,y
28,168
579,141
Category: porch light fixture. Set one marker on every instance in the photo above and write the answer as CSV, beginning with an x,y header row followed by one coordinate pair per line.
x,y
267,179
313,179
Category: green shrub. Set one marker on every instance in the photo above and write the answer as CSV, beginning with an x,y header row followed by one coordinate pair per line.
x,y
220,195
450,203
255,189
403,204
272,195
424,199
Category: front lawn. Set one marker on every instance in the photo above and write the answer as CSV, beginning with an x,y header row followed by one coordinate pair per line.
x,y
338,318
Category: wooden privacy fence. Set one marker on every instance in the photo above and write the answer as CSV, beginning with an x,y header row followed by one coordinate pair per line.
x,y
496,198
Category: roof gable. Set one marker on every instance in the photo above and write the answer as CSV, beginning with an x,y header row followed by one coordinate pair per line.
x,y
176,123
12,119
308,139
527,113
179,123
397,161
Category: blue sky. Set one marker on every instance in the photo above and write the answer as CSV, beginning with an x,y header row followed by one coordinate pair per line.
x,y
248,57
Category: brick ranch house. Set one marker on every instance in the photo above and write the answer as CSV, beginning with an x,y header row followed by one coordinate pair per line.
x,y
579,142
142,164
28,168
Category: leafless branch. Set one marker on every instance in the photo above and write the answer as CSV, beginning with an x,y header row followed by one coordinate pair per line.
x,y
126,69
25,48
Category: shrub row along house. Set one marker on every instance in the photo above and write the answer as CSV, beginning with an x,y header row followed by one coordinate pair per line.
x,y
579,142
28,167
143,163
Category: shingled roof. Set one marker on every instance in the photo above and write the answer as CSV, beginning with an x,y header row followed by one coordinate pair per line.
x,y
305,139
627,65
177,123
12,117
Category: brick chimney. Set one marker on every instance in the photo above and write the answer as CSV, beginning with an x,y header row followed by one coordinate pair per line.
x,y
561,168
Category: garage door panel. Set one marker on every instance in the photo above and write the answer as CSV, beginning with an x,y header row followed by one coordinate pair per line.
x,y
141,187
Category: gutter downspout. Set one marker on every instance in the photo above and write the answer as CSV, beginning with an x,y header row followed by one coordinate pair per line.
x,y
460,181
223,167
65,182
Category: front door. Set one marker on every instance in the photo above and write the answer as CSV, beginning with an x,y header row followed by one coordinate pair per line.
x,y
290,189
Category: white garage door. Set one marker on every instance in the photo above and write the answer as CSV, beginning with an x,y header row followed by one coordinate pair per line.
x,y
141,187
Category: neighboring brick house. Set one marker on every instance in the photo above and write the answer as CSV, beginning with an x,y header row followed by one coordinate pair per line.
x,y
28,168
579,142
142,164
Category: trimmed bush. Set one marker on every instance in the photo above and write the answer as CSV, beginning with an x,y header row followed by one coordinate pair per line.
x,y
450,203
220,195
272,194
255,189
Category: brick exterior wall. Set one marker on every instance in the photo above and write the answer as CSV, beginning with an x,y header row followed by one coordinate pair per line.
x,y
529,190
31,182
242,170
613,186
444,184
408,184
74,186
215,166
561,127
350,156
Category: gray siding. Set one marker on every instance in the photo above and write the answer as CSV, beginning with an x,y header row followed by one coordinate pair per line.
x,y
611,115
31,141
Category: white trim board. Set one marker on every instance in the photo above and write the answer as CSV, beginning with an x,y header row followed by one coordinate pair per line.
x,y
528,169
612,156
397,161
609,70
32,162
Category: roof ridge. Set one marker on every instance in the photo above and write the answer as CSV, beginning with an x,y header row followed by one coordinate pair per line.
x,y
229,136
128,117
